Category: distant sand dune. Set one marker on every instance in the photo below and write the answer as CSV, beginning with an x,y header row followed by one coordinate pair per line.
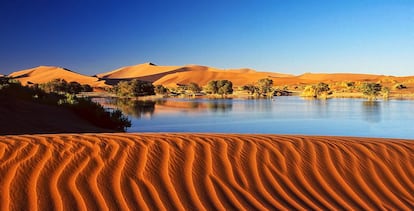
x,y
204,172
43,74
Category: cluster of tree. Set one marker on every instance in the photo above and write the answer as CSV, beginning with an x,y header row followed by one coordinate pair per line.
x,y
161,90
320,90
371,90
84,107
263,87
221,87
62,86
133,88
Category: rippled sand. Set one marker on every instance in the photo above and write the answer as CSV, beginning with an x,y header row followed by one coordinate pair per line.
x,y
204,172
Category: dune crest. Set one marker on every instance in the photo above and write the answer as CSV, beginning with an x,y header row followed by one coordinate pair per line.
x,y
43,74
204,172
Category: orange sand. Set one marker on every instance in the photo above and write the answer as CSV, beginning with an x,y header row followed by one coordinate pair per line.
x,y
43,74
204,172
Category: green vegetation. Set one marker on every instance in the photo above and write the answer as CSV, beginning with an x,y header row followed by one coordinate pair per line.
x,y
193,88
161,90
264,86
221,87
61,86
93,112
371,90
321,90
133,88
385,92
251,89
400,86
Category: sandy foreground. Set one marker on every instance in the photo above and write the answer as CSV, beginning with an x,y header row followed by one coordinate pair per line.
x,y
204,172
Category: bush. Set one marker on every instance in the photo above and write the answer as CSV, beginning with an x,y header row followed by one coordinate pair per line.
x,y
160,89
91,111
61,86
371,90
264,86
97,115
320,90
222,87
400,86
134,88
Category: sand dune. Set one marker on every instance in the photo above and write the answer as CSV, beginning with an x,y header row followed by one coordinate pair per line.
x,y
43,74
146,71
204,172
202,75
173,75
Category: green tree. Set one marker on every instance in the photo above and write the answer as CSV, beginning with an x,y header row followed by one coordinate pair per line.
x,y
160,89
193,87
61,86
211,87
320,90
251,89
222,87
264,85
134,88
371,90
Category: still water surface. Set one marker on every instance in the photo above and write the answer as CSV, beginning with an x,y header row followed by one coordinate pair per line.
x,y
282,115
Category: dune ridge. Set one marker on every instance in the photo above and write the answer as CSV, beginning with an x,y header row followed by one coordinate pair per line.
x,y
158,171
43,74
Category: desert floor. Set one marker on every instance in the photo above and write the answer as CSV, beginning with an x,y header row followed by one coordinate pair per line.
x,y
159,171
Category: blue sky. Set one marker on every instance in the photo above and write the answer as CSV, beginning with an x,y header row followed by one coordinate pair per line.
x,y
290,36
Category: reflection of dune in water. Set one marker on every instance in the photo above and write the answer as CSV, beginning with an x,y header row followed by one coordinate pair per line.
x,y
204,172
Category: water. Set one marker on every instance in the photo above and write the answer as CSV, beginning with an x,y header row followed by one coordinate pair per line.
x,y
282,115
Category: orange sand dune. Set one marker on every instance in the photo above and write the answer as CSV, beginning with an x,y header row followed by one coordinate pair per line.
x,y
204,172
146,71
202,75
173,75
43,74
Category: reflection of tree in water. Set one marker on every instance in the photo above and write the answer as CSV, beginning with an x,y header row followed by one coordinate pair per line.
x,y
135,108
220,106
371,111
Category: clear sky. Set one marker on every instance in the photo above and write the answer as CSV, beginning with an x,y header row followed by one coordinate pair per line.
x,y
289,36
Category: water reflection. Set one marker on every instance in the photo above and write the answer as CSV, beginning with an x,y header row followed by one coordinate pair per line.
x,y
220,106
371,111
135,108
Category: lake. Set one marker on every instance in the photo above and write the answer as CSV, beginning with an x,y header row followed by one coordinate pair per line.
x,y
280,115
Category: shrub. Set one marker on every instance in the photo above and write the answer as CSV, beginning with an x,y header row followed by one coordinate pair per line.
x,y
61,86
264,86
222,87
400,86
134,88
371,90
320,90
97,115
160,89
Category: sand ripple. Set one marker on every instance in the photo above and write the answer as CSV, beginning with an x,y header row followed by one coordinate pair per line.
x,y
204,172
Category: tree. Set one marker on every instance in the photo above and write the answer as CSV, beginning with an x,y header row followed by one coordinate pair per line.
x,y
222,87
211,87
321,90
134,88
251,89
61,86
371,90
160,89
193,87
264,85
